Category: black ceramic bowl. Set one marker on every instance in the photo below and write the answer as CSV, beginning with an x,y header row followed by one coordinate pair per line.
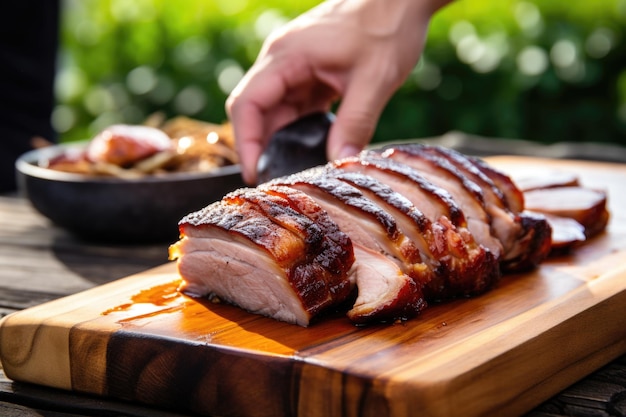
x,y
105,209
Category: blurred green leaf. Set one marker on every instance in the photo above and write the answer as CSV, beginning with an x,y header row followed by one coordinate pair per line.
x,y
545,70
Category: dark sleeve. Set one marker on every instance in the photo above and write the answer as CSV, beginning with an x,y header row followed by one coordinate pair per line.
x,y
29,33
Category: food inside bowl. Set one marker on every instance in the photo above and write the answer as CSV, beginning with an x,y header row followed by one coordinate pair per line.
x,y
180,144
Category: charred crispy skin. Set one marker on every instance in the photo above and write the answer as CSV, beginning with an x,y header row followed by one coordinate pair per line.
x,y
408,182
384,291
467,194
468,168
243,220
471,275
329,190
514,197
320,273
337,256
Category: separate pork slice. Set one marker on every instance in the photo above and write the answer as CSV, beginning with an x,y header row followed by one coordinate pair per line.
x,y
586,206
574,211
547,179
566,232
435,202
239,252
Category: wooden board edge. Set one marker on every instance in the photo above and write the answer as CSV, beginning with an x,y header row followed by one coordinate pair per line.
x,y
517,371
25,358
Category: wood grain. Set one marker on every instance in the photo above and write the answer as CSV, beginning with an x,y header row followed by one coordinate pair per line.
x,y
502,353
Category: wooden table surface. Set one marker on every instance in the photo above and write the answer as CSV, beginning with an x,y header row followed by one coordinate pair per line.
x,y
39,262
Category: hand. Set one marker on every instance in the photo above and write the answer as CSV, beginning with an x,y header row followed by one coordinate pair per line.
x,y
359,51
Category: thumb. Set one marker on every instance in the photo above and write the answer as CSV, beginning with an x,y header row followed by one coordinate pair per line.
x,y
356,120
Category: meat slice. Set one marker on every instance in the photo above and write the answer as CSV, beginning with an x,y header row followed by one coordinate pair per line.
x,y
124,145
547,179
459,266
325,244
584,205
533,245
236,251
566,232
385,293
365,221
446,163
513,195
467,167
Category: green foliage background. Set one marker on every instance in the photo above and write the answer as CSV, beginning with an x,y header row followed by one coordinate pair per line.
x,y
548,71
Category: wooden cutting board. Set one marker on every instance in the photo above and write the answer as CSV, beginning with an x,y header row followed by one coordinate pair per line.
x,y
499,354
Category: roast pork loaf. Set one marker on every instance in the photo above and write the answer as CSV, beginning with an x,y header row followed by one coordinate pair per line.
x,y
381,235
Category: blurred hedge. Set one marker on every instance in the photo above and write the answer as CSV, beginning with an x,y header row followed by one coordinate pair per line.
x,y
546,70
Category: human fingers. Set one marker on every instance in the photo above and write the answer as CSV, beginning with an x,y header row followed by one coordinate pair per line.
x,y
270,97
256,108
357,116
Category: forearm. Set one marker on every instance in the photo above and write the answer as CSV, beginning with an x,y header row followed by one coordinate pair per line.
x,y
383,14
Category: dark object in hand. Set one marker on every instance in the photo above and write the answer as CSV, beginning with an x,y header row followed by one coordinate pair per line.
x,y
297,146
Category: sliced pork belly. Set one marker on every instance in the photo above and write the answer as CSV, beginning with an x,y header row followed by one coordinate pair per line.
x,y
459,266
399,227
466,193
547,179
325,244
466,166
566,233
474,189
533,245
513,195
235,251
